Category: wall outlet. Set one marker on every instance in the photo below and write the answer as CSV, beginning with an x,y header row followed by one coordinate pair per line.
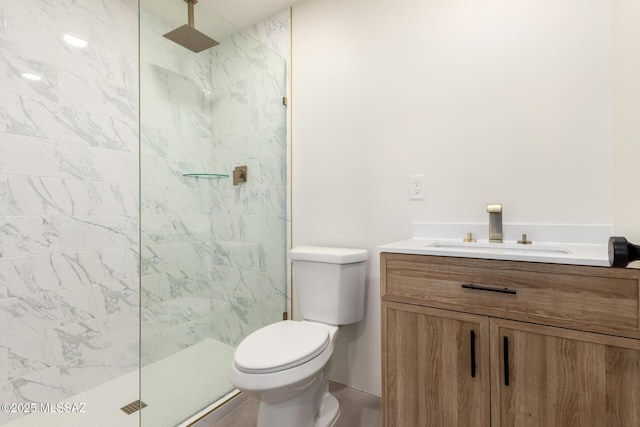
x,y
416,187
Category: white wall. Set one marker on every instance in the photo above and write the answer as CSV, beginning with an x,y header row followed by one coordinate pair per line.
x,y
626,126
494,101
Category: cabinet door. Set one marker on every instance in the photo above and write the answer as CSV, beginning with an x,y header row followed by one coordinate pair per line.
x,y
428,377
561,378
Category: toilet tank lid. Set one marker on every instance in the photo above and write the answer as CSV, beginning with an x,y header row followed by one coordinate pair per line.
x,y
329,255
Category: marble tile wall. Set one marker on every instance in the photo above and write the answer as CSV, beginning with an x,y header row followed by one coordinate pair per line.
x,y
176,210
68,197
249,222
275,33
213,254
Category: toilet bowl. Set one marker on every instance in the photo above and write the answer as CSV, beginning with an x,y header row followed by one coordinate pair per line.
x,y
286,365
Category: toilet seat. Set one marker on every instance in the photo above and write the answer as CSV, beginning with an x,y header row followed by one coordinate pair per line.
x,y
280,346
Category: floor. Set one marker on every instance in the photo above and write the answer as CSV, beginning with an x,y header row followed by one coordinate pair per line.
x,y
188,384
357,409
191,388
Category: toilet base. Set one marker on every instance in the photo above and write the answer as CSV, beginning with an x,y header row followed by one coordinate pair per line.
x,y
330,412
299,412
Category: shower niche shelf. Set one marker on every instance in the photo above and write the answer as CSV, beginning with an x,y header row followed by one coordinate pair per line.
x,y
206,175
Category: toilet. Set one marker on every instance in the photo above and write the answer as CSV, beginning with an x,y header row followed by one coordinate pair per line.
x,y
285,365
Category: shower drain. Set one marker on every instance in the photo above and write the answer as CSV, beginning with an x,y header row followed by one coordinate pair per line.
x,y
133,407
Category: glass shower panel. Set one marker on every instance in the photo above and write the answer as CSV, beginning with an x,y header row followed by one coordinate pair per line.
x,y
248,220
213,254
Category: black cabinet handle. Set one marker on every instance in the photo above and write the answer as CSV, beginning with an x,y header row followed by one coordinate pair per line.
x,y
473,353
505,345
487,288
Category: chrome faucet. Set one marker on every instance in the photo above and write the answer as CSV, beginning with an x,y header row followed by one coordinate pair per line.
x,y
495,222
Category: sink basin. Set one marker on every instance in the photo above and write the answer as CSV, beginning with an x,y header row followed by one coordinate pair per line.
x,y
500,248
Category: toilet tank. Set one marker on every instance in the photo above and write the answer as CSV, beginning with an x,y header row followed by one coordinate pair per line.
x,y
329,283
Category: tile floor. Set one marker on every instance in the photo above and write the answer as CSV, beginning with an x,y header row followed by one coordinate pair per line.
x,y
357,409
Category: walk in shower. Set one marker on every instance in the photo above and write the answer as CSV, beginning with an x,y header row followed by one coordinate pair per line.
x,y
213,254
130,265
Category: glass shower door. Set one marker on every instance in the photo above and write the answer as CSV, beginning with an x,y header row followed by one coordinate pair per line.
x,y
213,254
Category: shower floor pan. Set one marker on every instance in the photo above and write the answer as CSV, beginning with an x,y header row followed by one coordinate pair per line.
x,y
172,387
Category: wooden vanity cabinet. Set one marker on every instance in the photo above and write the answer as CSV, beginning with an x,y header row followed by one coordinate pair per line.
x,y
562,377
553,345
435,367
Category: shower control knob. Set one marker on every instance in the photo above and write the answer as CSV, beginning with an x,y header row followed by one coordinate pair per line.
x,y
621,252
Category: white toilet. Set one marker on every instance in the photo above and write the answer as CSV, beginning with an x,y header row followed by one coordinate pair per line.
x,y
285,365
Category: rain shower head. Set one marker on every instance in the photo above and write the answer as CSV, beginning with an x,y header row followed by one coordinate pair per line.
x,y
187,36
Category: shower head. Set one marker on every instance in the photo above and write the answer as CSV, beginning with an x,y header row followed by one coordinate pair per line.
x,y
187,36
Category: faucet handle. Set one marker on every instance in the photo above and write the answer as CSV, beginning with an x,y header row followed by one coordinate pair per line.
x,y
494,208
469,238
524,240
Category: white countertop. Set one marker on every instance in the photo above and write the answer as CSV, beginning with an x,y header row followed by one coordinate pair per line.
x,y
555,253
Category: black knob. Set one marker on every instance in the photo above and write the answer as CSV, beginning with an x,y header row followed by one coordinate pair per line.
x,y
621,252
